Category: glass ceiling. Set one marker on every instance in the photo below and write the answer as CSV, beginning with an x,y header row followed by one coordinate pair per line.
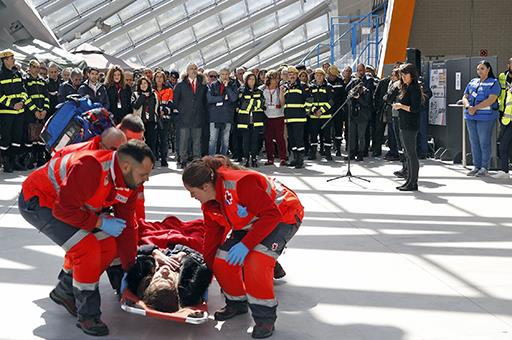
x,y
173,33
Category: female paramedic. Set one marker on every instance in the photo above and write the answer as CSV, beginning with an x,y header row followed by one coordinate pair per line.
x,y
481,113
263,215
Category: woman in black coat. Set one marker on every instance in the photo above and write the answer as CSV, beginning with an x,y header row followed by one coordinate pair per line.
x,y
119,94
409,107
145,105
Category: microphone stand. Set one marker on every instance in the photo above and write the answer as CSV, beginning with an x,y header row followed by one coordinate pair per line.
x,y
348,174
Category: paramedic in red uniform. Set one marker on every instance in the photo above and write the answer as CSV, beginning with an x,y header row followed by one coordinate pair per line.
x,y
64,200
263,215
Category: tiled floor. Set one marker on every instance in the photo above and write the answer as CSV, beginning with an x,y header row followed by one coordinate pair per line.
x,y
369,262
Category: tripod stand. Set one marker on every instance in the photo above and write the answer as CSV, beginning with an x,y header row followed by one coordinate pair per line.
x,y
348,174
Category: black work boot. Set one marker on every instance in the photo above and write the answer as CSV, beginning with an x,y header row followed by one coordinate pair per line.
x,y
262,330
293,162
328,155
360,157
254,161
300,160
94,327
7,165
231,310
62,294
337,147
312,153
279,272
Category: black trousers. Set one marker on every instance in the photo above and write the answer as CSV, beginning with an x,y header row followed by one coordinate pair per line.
x,y
315,129
251,139
11,131
337,122
505,146
296,136
163,135
358,135
151,134
377,135
409,138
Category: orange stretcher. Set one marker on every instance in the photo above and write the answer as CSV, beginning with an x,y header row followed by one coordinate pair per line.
x,y
194,315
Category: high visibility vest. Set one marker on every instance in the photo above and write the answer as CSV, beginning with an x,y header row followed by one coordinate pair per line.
x,y
507,114
251,102
322,99
13,91
48,180
296,103
504,90
238,216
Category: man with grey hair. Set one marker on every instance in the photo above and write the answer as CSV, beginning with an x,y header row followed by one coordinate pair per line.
x,y
71,86
190,100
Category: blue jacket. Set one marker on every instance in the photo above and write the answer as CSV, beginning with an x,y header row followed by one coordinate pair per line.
x,y
221,108
99,97
478,92
65,90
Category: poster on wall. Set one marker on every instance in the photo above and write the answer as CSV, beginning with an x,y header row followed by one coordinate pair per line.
x,y
437,113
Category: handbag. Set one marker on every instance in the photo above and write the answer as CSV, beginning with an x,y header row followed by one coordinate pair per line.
x,y
34,131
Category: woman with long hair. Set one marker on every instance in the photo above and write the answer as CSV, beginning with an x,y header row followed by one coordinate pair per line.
x,y
410,99
481,111
119,94
263,215
165,97
145,102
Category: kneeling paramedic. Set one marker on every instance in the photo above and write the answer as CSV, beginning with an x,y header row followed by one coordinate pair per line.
x,y
263,215
64,200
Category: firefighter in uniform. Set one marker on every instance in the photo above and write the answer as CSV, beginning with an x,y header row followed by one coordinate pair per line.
x,y
505,101
320,112
296,103
12,102
339,97
263,215
37,107
250,118
65,199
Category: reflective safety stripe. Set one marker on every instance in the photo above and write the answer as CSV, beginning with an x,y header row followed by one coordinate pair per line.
x,y
262,302
249,225
222,254
487,108
116,262
260,248
63,166
321,117
235,298
3,98
294,106
299,91
230,185
36,82
67,271
73,240
85,286
242,126
256,124
90,207
12,80
318,91
37,96
301,148
51,174
101,235
11,112
295,120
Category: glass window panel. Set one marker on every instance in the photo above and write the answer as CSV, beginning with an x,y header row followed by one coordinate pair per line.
x,y
317,26
214,50
294,38
85,5
194,6
233,13
310,4
186,37
154,2
36,3
117,44
132,10
140,33
61,16
264,25
113,21
251,63
207,26
289,13
191,58
154,53
240,37
257,5
271,51
172,16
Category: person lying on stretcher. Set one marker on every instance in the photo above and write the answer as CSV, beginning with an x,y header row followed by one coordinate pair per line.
x,y
169,279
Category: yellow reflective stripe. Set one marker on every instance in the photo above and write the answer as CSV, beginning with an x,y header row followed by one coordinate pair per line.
x,y
318,91
247,97
3,98
258,124
9,81
242,126
11,111
36,82
295,120
294,106
299,91
32,107
321,117
37,96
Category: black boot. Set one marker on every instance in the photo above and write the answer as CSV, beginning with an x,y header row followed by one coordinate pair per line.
x,y
230,310
18,159
337,147
62,294
88,309
300,160
254,161
312,153
31,158
360,157
247,162
262,330
328,155
293,162
6,163
279,272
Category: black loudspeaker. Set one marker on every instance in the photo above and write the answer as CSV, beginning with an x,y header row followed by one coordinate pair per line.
x,y
414,57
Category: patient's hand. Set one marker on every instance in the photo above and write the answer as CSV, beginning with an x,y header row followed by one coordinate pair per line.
x,y
171,261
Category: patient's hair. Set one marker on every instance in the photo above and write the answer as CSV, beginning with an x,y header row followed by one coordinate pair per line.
x,y
162,296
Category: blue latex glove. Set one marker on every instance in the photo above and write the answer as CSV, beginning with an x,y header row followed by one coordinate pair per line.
x,y
237,254
112,225
124,284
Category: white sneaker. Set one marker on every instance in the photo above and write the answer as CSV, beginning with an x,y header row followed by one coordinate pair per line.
x,y
482,173
473,172
501,175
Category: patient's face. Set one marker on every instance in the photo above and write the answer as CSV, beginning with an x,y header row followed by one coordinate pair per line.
x,y
164,275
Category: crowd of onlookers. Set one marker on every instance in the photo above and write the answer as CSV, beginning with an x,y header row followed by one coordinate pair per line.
x,y
292,113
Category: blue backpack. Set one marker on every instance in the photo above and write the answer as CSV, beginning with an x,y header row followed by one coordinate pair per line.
x,y
75,121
